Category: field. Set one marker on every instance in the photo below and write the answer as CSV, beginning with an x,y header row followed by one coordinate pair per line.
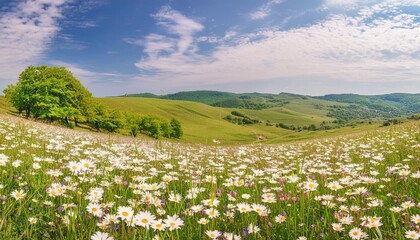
x,y
62,184
203,123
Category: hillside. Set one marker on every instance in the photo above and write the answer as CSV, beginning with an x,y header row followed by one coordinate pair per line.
x,y
377,106
203,123
355,106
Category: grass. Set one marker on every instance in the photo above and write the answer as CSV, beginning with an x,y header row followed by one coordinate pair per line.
x,y
63,184
203,123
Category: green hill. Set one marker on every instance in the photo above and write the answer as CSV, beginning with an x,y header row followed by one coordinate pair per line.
x,y
202,123
376,106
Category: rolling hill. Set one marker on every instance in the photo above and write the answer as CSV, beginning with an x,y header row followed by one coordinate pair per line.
x,y
203,123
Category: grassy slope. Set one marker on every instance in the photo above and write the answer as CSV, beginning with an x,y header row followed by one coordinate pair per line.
x,y
202,122
5,106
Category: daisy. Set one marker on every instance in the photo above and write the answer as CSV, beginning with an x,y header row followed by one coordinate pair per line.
x,y
412,235
158,225
212,213
347,220
196,208
101,236
74,166
18,194
337,227
253,229
86,164
203,221
32,220
213,234
231,236
173,222
357,233
334,186
211,202
175,197
95,209
243,207
245,196
258,208
280,218
111,218
144,219
310,185
415,219
407,204
125,213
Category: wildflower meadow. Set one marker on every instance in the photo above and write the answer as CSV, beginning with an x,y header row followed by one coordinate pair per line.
x,y
64,184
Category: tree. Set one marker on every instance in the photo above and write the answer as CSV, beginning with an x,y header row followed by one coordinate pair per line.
x,y
50,93
177,131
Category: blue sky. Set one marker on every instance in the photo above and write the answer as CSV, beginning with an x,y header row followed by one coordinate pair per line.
x,y
311,47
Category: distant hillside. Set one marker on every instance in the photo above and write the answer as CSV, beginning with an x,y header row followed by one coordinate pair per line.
x,y
143,95
344,108
202,122
229,100
377,106
207,97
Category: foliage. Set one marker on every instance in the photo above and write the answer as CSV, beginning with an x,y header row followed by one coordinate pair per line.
x,y
240,119
49,93
378,106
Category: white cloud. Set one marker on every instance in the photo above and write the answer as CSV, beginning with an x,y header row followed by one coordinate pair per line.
x,y
360,49
26,32
167,50
99,83
344,3
265,10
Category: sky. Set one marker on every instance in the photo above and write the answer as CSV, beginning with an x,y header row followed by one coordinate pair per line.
x,y
310,47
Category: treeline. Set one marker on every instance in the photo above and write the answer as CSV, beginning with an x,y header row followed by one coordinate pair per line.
x,y
153,126
395,121
345,114
54,94
240,118
311,127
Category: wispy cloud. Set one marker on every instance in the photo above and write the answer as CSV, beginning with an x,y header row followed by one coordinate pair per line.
x,y
27,30
99,82
361,48
166,53
344,3
265,10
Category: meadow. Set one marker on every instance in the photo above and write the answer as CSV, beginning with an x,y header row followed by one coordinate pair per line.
x,y
58,183
199,121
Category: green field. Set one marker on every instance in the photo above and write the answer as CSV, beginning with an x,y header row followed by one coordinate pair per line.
x,y
203,123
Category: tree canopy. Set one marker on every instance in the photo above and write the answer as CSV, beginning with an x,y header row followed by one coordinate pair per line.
x,y
50,93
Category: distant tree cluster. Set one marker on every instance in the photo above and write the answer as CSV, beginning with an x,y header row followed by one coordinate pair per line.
x,y
154,126
240,118
54,94
310,127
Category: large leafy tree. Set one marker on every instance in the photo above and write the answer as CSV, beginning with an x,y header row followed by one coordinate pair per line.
x,y
50,93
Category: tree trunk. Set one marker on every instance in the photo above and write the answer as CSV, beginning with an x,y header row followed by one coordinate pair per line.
x,y
67,120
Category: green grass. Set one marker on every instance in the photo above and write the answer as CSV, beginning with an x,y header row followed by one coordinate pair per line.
x,y
203,123
5,106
